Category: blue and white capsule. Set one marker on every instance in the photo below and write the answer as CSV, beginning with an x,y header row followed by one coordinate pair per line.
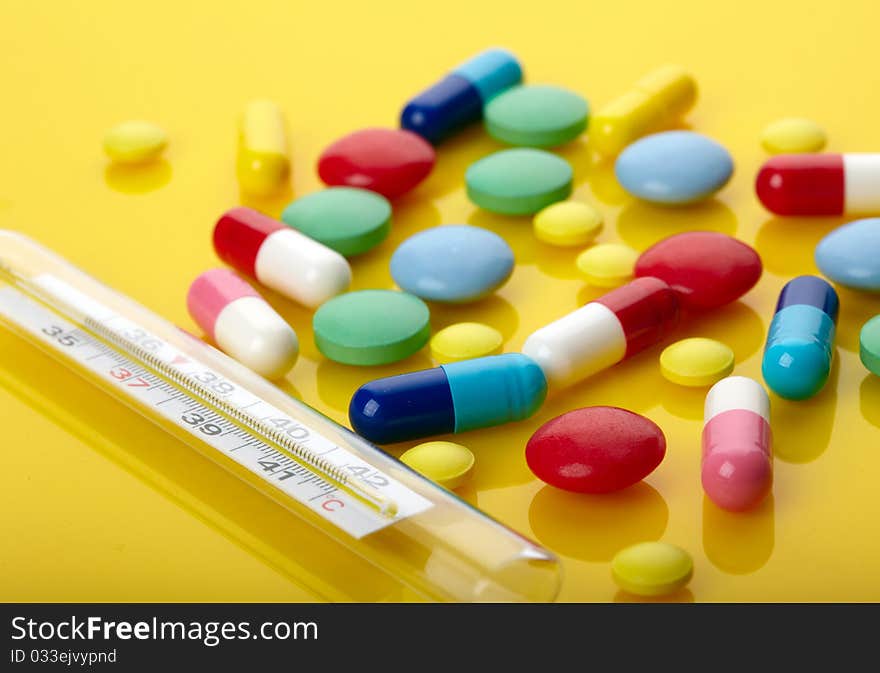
x,y
454,397
458,99
800,343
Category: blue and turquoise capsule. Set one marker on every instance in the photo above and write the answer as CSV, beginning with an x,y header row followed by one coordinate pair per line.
x,y
458,99
800,343
454,397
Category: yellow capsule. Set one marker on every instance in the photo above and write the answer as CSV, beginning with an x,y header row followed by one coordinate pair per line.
x,y
263,165
567,223
656,102
608,264
696,362
793,135
465,340
447,463
135,142
652,568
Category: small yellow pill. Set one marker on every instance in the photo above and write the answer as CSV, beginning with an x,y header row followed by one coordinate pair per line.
x,y
447,463
465,340
652,568
262,165
135,142
567,223
607,264
793,135
696,362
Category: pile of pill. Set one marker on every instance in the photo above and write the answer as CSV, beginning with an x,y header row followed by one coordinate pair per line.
x,y
307,256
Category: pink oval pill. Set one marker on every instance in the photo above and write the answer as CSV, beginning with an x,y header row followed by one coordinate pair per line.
x,y
241,323
737,471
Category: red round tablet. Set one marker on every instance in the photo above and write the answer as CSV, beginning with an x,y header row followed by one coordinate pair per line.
x,y
595,450
388,161
706,269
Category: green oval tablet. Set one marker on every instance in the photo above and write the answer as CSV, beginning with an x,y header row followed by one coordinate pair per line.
x,y
371,327
536,115
347,219
520,181
869,345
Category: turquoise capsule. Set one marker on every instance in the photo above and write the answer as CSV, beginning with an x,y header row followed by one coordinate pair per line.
x,y
800,342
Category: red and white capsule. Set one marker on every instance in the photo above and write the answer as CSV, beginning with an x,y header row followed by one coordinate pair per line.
x,y
737,471
280,258
604,332
820,184
241,323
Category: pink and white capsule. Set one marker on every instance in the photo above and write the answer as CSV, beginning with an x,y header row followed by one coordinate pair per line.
x,y
241,323
737,470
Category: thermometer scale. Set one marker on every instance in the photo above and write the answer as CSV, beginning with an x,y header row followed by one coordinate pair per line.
x,y
403,523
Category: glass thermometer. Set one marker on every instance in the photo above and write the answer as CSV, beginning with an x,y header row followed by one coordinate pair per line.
x,y
414,530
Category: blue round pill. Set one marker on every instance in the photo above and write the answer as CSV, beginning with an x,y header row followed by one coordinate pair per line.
x,y
452,263
848,255
674,168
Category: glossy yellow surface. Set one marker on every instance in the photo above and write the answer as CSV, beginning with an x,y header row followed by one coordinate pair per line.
x,y
793,134
696,362
447,463
607,264
134,142
652,568
465,340
100,505
567,223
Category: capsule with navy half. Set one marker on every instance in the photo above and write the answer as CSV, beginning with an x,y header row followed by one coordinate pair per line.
x,y
454,397
458,99
800,343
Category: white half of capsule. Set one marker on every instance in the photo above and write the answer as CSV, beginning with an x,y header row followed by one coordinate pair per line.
x,y
861,183
300,268
737,392
577,345
249,330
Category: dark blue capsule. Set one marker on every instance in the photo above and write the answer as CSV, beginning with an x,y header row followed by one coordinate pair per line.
x,y
458,99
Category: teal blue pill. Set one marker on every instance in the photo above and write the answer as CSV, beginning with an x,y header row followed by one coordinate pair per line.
x,y
518,181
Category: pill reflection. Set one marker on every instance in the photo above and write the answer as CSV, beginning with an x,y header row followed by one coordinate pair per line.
x,y
595,527
738,542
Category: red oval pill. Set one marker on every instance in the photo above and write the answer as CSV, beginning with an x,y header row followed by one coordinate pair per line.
x,y
388,161
595,450
706,269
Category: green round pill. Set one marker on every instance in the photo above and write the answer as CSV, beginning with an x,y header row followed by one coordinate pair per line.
x,y
349,220
519,181
869,345
536,115
371,327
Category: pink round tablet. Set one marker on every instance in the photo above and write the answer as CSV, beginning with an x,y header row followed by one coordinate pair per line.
x,y
706,269
595,450
388,161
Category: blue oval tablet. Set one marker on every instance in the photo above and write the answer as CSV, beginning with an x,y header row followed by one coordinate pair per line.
x,y
674,167
850,255
453,263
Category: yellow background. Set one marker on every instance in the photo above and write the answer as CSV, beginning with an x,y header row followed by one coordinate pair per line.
x,y
97,504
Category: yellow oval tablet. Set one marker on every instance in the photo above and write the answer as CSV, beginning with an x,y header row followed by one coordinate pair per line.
x,y
135,142
567,223
465,340
696,362
447,463
607,264
793,135
652,568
